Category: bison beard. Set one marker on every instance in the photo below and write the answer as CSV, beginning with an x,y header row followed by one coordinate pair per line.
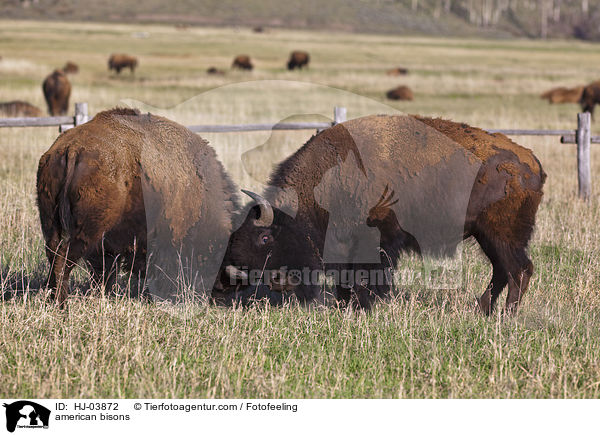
x,y
359,194
136,191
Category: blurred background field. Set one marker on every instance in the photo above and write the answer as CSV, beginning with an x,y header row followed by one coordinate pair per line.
x,y
421,344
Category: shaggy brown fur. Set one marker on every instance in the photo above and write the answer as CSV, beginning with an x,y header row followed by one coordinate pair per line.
x,y
57,91
590,97
563,95
400,93
397,72
13,109
71,68
91,202
242,62
501,196
298,59
122,61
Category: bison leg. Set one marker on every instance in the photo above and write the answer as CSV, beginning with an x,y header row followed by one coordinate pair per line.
x,y
493,251
518,280
104,270
62,259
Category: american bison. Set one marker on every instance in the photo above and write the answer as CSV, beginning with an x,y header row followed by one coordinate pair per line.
x,y
71,68
563,95
13,109
215,71
400,93
590,97
397,71
122,61
111,189
421,184
57,91
298,59
242,62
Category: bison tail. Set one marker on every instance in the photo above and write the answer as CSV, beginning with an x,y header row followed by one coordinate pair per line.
x,y
64,208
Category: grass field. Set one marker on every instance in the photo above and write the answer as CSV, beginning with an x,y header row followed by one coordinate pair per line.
x,y
422,343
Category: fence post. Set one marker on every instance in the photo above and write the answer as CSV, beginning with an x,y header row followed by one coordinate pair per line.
x,y
339,115
584,174
81,113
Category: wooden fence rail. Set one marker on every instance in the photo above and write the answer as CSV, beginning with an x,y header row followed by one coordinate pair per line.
x,y
581,136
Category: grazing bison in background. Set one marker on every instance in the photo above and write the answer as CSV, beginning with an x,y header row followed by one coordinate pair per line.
x,y
13,109
215,71
258,29
105,187
563,95
397,72
400,93
425,184
71,68
122,61
590,97
242,62
298,59
57,91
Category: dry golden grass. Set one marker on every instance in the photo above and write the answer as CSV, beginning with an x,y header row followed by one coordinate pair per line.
x,y
421,344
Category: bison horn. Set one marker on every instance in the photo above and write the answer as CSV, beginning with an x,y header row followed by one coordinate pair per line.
x,y
266,211
234,272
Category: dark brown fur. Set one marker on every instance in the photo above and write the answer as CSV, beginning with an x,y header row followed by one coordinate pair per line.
x,y
122,61
242,62
563,95
590,97
298,59
400,93
500,207
90,198
57,91
13,109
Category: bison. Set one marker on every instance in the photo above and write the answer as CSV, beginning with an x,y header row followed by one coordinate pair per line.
x,y
421,184
12,109
105,187
242,62
590,97
298,59
57,91
71,68
400,93
563,95
122,61
215,71
397,71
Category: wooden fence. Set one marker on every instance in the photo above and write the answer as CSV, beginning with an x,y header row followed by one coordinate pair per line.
x,y
580,136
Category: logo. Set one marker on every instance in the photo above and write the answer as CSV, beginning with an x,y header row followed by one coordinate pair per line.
x,y
24,414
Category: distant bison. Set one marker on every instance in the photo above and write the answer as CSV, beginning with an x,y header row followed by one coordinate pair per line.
x,y
562,95
13,109
71,68
400,93
298,59
242,62
122,61
397,72
100,182
215,71
437,182
258,29
57,91
590,97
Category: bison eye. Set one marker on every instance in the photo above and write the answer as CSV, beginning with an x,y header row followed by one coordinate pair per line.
x,y
265,238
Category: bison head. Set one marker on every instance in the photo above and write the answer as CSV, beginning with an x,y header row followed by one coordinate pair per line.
x,y
270,248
